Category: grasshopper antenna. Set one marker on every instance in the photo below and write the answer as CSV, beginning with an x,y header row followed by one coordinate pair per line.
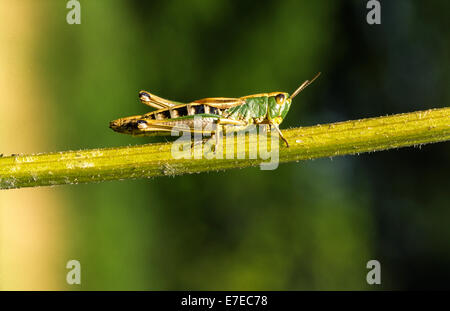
x,y
303,86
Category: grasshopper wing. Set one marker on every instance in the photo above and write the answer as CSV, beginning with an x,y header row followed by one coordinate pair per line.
x,y
220,102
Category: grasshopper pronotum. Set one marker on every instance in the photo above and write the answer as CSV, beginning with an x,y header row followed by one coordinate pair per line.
x,y
265,108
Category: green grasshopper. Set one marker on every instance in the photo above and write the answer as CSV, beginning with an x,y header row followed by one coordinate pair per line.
x,y
264,108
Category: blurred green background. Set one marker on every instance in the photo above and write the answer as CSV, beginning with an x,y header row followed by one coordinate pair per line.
x,y
305,226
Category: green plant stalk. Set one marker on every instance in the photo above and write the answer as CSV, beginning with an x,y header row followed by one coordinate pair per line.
x,y
151,160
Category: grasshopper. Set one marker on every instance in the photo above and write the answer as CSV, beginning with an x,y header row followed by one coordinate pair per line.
x,y
265,108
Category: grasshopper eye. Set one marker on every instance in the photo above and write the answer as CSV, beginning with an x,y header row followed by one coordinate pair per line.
x,y
280,99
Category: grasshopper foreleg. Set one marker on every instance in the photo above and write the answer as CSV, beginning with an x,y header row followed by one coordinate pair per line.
x,y
281,135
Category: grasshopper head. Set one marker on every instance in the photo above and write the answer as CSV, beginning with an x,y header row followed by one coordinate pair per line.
x,y
279,103
130,125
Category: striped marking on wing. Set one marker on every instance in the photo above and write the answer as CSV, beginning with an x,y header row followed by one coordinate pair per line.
x,y
183,111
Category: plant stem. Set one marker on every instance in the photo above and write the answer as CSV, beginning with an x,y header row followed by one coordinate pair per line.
x,y
151,160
